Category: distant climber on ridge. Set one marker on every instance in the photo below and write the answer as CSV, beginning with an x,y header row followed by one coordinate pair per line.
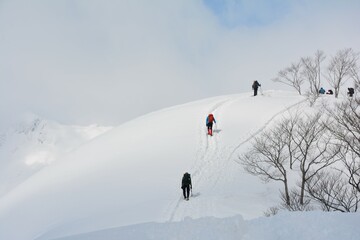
x,y
351,91
330,92
186,185
255,87
209,123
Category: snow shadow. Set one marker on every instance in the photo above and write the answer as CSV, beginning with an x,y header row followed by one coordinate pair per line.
x,y
195,194
207,228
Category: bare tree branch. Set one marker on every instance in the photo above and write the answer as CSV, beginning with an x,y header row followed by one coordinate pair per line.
x,y
267,158
345,127
312,73
291,76
313,144
340,68
333,192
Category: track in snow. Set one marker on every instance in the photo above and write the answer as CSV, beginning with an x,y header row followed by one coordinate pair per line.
x,y
212,159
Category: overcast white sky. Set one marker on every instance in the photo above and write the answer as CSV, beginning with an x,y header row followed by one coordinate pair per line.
x,y
106,62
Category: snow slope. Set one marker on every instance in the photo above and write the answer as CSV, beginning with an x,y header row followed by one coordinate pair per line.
x,y
132,173
295,226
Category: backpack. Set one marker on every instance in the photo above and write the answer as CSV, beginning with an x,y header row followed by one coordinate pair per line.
x,y
186,180
255,85
211,118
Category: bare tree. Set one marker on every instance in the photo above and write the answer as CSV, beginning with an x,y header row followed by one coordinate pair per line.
x,y
295,203
340,68
312,73
333,192
267,158
355,74
287,126
345,127
272,211
302,143
314,149
291,76
352,166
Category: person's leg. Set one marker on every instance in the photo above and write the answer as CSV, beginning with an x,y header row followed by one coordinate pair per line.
x,y
188,191
255,91
184,193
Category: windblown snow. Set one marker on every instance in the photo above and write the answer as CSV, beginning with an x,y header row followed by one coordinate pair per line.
x,y
124,182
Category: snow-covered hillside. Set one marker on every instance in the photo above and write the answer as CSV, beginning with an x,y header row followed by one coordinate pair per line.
x,y
132,173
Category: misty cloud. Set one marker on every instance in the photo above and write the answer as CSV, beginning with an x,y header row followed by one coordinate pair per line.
x,y
107,62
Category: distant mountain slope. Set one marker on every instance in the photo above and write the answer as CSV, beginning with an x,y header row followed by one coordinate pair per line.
x,y
132,173
34,143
